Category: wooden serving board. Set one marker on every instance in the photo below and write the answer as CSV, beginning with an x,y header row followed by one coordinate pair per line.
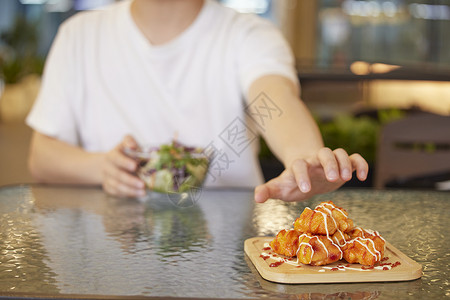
x,y
341,271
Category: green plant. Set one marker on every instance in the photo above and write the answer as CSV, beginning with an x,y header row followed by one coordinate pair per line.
x,y
354,134
357,134
264,150
20,57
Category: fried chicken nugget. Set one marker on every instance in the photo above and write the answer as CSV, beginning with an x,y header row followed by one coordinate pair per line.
x,y
364,233
339,215
315,222
286,242
364,250
340,238
317,250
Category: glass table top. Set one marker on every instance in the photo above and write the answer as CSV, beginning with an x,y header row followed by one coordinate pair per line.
x,y
75,241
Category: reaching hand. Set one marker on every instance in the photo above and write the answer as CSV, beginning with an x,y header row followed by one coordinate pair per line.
x,y
321,173
118,172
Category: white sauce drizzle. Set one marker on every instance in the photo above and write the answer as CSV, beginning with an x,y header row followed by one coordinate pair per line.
x,y
343,268
378,253
324,247
339,210
306,244
324,219
369,231
328,234
334,207
373,233
329,213
343,238
376,233
280,259
360,229
364,245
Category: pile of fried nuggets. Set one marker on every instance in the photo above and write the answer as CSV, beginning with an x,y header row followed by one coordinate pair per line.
x,y
325,235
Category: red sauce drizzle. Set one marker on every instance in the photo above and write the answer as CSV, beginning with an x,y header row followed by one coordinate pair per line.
x,y
385,268
334,269
266,248
264,256
396,264
276,264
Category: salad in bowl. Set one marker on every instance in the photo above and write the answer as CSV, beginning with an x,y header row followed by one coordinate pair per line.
x,y
171,168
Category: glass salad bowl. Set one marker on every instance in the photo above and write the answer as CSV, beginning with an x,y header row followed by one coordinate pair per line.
x,y
171,168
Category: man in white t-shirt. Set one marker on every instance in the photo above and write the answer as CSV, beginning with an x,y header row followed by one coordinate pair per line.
x,y
147,71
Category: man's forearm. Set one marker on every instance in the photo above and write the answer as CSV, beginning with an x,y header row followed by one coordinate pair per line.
x,y
53,161
294,134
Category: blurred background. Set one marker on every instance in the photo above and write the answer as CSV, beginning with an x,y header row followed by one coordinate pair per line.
x,y
370,72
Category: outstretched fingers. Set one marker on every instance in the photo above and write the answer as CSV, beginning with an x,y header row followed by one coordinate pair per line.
x,y
338,164
324,172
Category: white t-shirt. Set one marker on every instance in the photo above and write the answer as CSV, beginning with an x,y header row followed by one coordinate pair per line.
x,y
104,80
